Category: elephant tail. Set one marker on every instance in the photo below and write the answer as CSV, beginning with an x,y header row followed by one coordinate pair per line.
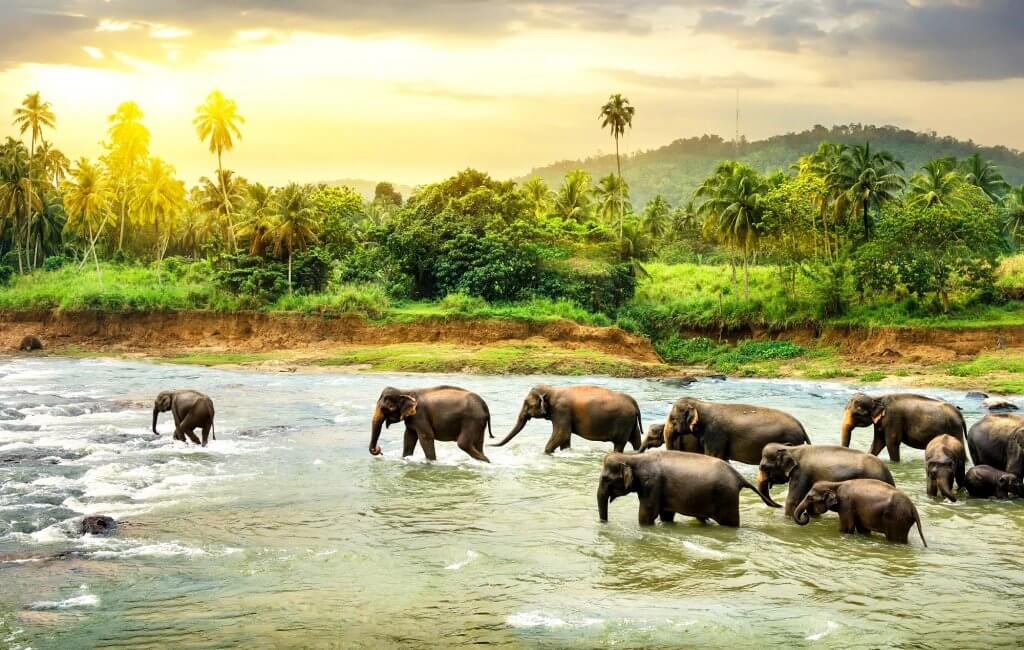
x,y
807,438
213,430
917,519
489,432
744,483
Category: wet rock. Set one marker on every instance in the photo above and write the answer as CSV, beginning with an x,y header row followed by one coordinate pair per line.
x,y
97,525
976,394
717,377
681,381
49,455
30,343
999,404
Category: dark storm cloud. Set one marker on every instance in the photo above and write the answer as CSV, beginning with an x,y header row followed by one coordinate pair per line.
x,y
938,40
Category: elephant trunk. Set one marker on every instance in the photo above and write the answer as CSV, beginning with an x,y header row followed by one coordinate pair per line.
x,y
845,428
946,487
521,421
800,515
764,484
602,503
375,426
156,414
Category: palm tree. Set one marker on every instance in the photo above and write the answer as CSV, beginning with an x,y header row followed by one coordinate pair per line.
x,y
87,203
19,198
221,199
159,200
538,196
937,183
733,210
295,222
612,195
258,224
33,115
573,199
217,120
823,166
985,175
1013,214
128,149
655,218
46,225
52,164
867,180
616,115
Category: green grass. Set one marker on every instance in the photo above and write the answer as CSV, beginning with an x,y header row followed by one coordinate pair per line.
x,y
725,357
872,377
986,364
220,358
1007,386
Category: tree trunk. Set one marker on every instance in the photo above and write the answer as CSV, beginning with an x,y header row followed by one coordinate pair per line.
x,y
867,227
618,169
746,275
289,270
227,203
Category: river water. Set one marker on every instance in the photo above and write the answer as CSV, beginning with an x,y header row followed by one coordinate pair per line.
x,y
286,532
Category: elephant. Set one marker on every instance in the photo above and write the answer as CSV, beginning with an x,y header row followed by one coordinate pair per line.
x,y
656,437
591,412
728,431
30,343
191,409
805,465
673,482
998,440
945,460
987,481
445,413
901,418
865,505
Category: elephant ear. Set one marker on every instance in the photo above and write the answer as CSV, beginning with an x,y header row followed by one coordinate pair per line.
x,y
407,406
788,463
831,499
694,420
627,477
163,401
878,413
543,403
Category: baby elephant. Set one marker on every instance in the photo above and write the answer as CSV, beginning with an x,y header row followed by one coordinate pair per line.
x,y
987,481
864,505
191,409
30,343
673,482
945,460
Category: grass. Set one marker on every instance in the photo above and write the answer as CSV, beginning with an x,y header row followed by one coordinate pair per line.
x,y
725,357
987,364
872,377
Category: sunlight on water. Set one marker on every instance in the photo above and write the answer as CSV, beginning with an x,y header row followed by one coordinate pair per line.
x,y
286,531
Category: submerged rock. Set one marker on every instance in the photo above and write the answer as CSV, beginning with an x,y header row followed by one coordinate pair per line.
x,y
717,377
97,525
681,381
999,404
976,394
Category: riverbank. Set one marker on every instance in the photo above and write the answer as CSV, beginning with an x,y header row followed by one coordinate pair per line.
x,y
990,358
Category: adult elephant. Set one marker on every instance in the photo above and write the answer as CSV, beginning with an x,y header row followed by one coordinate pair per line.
x,y
674,482
445,413
591,412
191,410
998,440
901,418
805,465
728,431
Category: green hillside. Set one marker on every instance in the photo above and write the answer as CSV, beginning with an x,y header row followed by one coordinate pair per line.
x,y
677,168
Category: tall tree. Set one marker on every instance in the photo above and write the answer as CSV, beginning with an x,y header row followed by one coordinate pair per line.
x,y
221,199
87,203
985,175
258,224
217,120
612,195
127,151
538,196
33,115
937,183
867,180
295,222
573,201
656,217
19,198
159,201
1013,215
616,116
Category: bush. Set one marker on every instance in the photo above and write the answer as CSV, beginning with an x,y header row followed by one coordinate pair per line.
x,y
54,262
253,276
604,291
6,273
699,349
311,270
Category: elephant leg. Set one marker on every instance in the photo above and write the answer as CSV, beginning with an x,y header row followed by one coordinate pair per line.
x,y
892,445
186,428
668,516
567,444
470,441
558,438
730,517
409,442
877,444
206,432
427,442
647,514
619,446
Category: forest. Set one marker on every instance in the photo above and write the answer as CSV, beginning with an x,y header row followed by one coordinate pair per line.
x,y
848,232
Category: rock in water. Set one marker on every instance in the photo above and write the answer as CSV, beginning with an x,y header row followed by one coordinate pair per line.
x,y
999,404
97,525
976,394
30,343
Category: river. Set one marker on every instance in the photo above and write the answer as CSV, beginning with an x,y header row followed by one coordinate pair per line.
x,y
286,532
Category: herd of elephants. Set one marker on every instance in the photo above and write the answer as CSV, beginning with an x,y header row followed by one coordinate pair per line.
x,y
693,477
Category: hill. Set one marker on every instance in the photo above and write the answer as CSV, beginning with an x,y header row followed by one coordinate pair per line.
x,y
676,169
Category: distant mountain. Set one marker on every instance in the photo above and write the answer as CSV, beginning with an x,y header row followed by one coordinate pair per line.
x,y
366,187
676,169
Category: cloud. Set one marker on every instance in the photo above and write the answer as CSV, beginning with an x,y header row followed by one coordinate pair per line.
x,y
714,82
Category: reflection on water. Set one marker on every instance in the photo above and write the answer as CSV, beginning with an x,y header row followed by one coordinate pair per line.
x,y
286,531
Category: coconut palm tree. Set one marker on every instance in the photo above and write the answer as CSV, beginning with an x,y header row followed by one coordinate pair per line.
x,y
1013,214
617,115
217,120
52,164
19,198
538,196
655,218
159,200
222,198
295,224
128,149
87,203
985,175
33,115
573,202
937,183
46,225
258,224
866,179
612,194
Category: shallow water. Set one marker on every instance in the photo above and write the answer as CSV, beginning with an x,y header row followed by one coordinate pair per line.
x,y
286,532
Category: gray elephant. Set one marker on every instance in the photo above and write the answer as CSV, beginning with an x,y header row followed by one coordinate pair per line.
x,y
656,437
987,481
805,465
864,505
727,431
901,418
445,413
672,482
591,412
191,410
945,462
998,440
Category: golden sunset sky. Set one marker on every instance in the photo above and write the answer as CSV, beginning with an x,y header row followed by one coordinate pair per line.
x,y
411,91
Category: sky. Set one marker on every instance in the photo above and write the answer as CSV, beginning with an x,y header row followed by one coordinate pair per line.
x,y
414,90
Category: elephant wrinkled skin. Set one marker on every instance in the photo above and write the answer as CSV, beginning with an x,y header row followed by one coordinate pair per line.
x,y
998,440
901,418
445,413
864,505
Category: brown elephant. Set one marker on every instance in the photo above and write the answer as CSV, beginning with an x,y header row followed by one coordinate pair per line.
x,y
998,440
591,412
30,343
674,482
864,505
191,409
945,462
901,418
987,481
727,431
656,437
445,413
805,465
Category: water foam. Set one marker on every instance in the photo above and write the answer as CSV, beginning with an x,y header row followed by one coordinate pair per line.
x,y
470,556
830,627
538,619
84,600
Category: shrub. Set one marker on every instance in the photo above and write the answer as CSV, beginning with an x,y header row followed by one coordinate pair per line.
x,y
54,262
6,273
694,350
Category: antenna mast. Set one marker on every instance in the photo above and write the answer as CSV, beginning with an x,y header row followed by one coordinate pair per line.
x,y
736,137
